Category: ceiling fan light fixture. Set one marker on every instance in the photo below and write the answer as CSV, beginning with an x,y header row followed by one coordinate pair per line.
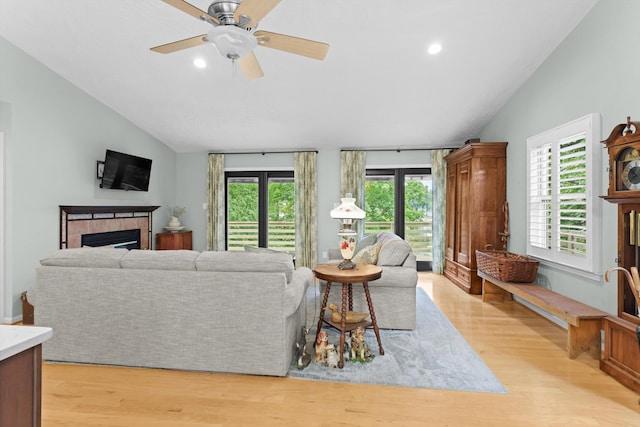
x,y
232,42
434,48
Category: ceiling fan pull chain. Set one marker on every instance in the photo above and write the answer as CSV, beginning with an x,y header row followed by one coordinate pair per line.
x,y
234,65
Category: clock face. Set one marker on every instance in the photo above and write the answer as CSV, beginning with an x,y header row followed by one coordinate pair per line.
x,y
628,167
631,175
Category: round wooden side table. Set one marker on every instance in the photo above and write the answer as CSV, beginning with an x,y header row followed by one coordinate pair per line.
x,y
363,273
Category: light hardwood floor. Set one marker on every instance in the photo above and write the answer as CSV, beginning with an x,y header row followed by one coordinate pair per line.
x,y
525,351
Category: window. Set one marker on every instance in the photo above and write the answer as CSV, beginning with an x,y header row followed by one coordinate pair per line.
x,y
399,200
260,210
563,208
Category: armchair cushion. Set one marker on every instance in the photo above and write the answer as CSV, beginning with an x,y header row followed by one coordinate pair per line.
x,y
393,250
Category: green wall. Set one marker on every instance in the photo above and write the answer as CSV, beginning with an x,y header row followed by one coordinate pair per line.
x,y
54,134
593,70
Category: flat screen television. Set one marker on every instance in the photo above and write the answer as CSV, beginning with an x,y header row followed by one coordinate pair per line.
x,y
125,172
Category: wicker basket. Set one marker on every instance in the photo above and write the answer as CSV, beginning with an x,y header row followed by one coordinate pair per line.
x,y
507,266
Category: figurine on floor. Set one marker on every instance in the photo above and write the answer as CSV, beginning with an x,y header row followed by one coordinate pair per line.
x,y
302,357
321,344
359,348
331,359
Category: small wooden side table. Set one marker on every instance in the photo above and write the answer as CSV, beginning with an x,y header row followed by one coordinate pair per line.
x,y
332,274
174,240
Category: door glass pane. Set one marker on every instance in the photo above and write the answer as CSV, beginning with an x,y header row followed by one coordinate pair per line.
x,y
418,230
379,204
281,232
242,213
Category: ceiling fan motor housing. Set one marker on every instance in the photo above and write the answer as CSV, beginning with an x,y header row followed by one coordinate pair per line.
x,y
224,10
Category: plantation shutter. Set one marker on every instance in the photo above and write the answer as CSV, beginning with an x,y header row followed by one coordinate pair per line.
x,y
540,200
562,207
572,197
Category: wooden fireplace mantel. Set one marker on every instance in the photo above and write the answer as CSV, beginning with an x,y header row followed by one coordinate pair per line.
x,y
106,209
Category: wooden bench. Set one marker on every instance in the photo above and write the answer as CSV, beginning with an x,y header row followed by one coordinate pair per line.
x,y
585,322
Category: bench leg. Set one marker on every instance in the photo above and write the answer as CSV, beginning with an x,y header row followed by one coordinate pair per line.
x,y
491,292
585,337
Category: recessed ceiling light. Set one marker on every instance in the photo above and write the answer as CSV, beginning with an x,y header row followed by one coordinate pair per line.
x,y
434,48
200,62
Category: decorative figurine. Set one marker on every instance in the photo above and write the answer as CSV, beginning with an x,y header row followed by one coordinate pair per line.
x,y
302,358
359,348
351,317
321,344
331,359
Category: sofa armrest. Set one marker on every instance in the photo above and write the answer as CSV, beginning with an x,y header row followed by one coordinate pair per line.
x,y
411,261
296,290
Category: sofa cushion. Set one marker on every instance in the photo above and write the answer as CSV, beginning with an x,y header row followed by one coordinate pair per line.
x,y
394,250
255,249
368,255
85,257
267,262
182,260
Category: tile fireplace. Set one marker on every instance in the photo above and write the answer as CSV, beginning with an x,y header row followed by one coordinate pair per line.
x,y
125,226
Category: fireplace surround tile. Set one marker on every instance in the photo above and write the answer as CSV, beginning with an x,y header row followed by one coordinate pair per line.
x,y
78,220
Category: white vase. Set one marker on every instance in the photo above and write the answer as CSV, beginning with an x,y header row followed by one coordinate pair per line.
x,y
174,222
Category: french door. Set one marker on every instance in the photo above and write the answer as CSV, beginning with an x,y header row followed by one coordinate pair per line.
x,y
260,210
400,200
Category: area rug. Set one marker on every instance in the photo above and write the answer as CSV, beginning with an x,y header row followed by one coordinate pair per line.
x,y
434,355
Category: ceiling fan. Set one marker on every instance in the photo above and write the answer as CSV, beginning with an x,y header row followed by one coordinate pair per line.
x,y
234,33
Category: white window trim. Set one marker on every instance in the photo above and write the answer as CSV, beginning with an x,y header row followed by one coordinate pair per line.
x,y
590,265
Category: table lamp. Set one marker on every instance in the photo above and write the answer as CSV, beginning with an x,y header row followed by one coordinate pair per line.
x,y
347,213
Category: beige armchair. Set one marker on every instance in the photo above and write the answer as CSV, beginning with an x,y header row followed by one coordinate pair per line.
x,y
394,294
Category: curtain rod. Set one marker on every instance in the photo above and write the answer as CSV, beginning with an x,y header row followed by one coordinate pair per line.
x,y
397,150
265,152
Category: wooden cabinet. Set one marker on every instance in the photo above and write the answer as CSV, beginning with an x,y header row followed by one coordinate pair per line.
x,y
476,193
21,374
176,240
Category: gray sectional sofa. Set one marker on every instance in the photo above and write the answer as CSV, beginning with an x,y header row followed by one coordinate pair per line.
x,y
394,294
236,312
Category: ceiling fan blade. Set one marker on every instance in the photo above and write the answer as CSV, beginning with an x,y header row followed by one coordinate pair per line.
x,y
181,44
250,66
295,45
190,9
254,9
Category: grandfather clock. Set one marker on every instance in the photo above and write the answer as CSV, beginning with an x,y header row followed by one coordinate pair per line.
x,y
621,357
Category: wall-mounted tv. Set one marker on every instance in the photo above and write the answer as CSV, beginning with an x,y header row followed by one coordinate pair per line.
x,y
125,172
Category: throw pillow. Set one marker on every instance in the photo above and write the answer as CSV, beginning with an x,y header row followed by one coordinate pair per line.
x,y
366,241
368,255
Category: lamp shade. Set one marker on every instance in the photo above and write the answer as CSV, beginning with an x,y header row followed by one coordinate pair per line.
x,y
347,209
231,41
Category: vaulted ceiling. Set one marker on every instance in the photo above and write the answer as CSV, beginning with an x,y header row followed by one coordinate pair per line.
x,y
377,87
